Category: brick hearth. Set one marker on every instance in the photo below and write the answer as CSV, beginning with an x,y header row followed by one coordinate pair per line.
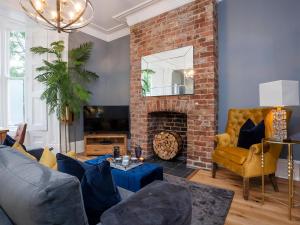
x,y
193,24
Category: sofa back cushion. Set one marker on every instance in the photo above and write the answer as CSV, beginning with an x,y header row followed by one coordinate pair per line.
x,y
32,194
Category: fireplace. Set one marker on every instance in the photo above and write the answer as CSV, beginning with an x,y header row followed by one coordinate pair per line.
x,y
193,24
168,122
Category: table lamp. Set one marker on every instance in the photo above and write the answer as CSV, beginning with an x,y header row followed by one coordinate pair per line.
x,y
279,94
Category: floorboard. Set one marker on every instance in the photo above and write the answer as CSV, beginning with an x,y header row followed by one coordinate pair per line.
x,y
252,212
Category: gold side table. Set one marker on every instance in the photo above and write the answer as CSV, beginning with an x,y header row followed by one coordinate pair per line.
x,y
290,144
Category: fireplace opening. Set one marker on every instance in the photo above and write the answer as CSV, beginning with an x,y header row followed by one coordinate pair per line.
x,y
168,122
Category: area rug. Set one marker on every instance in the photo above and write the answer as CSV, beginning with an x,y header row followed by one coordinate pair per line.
x,y
210,204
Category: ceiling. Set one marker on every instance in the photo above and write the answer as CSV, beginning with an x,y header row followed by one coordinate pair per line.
x,y
107,9
112,18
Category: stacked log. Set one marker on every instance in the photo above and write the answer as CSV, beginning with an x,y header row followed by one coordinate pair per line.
x,y
167,145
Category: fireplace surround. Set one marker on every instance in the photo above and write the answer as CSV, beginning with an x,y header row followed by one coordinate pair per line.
x,y
170,122
192,24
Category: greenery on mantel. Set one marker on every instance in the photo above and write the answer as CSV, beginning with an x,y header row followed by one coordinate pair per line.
x,y
146,81
65,81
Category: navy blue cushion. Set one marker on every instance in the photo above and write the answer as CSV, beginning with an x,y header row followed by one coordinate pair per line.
x,y
70,166
99,191
9,141
251,134
98,188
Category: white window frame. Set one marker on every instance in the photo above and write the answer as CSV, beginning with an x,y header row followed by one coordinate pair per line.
x,y
7,26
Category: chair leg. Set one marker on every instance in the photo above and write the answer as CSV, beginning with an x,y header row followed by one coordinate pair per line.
x,y
274,182
246,188
214,170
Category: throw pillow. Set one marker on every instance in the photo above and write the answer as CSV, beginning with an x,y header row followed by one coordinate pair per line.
x,y
18,147
48,159
98,188
9,141
70,166
99,191
251,134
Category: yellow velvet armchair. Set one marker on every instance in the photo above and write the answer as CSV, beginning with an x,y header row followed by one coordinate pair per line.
x,y
246,162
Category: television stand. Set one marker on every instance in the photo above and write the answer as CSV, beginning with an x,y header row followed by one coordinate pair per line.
x,y
101,144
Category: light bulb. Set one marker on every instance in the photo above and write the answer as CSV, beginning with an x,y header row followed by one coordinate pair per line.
x,y
78,7
71,15
38,5
53,14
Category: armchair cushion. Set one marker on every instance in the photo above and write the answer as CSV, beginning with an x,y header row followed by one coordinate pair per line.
x,y
233,154
251,134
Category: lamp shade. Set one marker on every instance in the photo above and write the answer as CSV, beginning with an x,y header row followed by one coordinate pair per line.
x,y
279,93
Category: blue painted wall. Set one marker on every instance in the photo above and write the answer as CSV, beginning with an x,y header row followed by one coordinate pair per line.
x,y
259,41
112,62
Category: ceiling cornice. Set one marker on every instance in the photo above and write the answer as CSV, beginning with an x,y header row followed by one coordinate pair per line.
x,y
127,18
134,15
122,17
156,8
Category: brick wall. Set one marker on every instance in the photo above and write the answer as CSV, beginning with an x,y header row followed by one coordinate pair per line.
x,y
192,24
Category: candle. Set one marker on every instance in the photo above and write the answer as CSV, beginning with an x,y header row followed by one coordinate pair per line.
x,y
141,159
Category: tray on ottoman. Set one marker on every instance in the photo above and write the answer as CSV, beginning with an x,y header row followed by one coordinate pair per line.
x,y
133,179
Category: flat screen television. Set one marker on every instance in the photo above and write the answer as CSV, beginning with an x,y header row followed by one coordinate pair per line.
x,y
101,119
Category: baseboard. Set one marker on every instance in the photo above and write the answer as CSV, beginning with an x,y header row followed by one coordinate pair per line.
x,y
79,146
282,169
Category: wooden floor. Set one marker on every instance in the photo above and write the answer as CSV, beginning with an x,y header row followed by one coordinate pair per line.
x,y
252,212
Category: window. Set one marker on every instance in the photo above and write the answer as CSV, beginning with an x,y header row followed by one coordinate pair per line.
x,y
13,78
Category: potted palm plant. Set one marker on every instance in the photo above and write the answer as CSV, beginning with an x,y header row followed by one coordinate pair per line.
x,y
64,82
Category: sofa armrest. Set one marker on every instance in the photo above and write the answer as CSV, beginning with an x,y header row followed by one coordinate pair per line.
x,y
222,140
145,206
257,148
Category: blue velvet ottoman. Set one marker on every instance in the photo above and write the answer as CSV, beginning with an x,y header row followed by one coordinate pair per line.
x,y
133,179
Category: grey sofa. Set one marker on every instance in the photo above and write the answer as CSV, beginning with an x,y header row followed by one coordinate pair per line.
x,y
31,194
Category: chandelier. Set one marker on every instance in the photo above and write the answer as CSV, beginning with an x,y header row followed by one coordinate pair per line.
x,y
60,15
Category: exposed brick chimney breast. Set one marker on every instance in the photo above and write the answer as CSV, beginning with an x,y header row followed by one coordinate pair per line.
x,y
192,24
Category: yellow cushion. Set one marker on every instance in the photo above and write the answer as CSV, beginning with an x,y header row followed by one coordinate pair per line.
x,y
48,159
234,154
71,154
18,147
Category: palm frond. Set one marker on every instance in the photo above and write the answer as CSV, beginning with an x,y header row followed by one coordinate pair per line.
x,y
64,82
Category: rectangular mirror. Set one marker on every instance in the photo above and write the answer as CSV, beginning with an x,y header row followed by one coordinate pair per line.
x,y
168,73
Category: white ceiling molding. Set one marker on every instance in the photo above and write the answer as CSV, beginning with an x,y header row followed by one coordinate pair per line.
x,y
134,15
95,33
123,15
112,26
154,9
108,37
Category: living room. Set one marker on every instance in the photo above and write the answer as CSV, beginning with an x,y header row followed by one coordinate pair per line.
x,y
149,112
